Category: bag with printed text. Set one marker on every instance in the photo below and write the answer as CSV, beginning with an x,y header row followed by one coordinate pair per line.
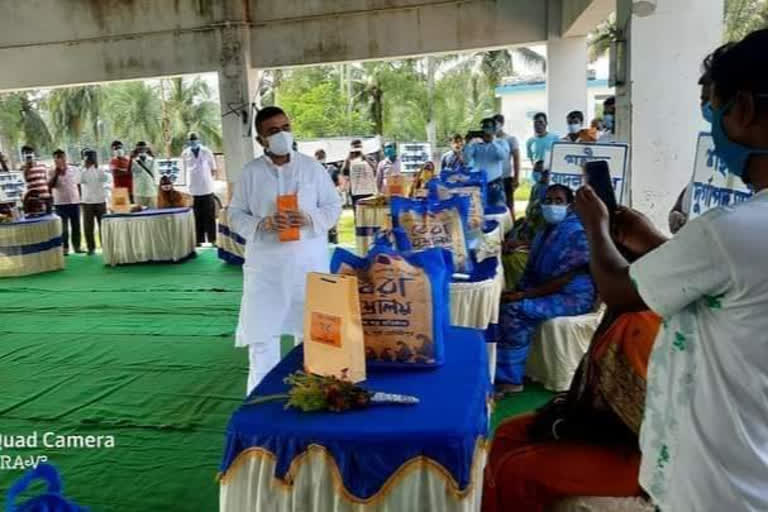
x,y
404,303
474,188
431,223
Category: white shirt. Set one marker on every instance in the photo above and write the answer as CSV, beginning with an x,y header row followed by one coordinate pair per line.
x,y
145,177
66,192
199,169
704,437
94,183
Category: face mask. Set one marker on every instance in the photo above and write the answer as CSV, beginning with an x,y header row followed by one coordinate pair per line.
x,y
194,144
706,112
608,120
119,152
574,128
735,156
280,144
390,153
322,161
166,188
489,130
143,156
536,176
28,157
554,213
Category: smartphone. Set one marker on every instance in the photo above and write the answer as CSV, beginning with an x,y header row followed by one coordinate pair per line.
x,y
598,177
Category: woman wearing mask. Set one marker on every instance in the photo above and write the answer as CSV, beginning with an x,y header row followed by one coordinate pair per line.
x,y
145,176
556,283
168,197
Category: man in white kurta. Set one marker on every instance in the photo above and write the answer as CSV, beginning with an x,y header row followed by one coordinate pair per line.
x,y
275,272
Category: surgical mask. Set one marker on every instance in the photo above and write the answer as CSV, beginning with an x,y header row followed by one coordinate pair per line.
x,y
166,188
29,157
608,120
143,156
322,161
280,143
735,156
390,153
194,144
554,213
119,152
574,128
536,176
706,112
489,130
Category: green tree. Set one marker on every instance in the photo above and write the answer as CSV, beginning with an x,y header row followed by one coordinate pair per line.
x,y
189,108
22,122
74,110
133,111
743,17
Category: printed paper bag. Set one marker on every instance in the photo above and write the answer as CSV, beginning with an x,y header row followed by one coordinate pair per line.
x,y
333,329
288,203
121,200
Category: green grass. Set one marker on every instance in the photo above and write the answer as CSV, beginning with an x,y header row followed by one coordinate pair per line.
x,y
523,192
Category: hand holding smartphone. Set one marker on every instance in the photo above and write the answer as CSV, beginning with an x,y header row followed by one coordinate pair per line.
x,y
598,176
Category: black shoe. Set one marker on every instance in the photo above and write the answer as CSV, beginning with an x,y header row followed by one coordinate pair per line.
x,y
79,251
91,252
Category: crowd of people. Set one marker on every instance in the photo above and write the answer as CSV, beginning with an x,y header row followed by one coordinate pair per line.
x,y
80,194
668,403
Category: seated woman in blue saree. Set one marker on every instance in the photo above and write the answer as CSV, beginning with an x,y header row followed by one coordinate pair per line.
x,y
556,283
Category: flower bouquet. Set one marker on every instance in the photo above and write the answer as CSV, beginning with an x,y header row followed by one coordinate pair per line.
x,y
310,393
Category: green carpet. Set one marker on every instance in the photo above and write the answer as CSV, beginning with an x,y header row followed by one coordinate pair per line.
x,y
143,353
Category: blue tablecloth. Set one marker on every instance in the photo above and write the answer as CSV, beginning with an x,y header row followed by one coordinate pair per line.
x,y
372,445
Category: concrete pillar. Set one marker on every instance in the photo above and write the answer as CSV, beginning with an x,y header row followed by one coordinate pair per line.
x,y
237,90
566,71
658,105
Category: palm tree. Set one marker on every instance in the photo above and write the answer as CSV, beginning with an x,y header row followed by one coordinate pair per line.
x,y
21,122
602,38
189,108
496,64
743,17
133,110
75,109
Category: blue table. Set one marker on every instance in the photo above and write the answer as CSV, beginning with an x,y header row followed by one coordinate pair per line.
x,y
431,454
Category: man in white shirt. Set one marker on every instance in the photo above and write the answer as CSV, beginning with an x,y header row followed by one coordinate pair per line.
x,y
94,183
275,272
704,438
146,178
200,167
390,166
64,184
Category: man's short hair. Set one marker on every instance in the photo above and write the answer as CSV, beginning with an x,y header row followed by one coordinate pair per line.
x,y
356,144
27,149
578,114
499,118
741,68
60,152
540,115
141,144
267,113
193,136
488,120
567,190
115,143
457,138
610,100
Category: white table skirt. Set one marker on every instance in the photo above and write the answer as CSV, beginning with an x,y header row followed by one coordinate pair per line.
x,y
226,239
505,220
150,236
421,485
31,247
558,347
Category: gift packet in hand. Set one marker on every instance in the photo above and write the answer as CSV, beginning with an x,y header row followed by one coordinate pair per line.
x,y
432,223
288,203
404,303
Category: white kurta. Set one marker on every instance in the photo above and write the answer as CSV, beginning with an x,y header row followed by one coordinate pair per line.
x,y
275,272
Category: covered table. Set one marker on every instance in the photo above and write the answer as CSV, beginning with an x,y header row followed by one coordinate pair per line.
x,y
385,458
503,216
31,246
166,235
231,245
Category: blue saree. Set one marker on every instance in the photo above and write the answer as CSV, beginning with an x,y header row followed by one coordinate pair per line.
x,y
556,250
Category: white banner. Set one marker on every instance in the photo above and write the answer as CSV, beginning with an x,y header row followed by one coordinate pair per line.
x,y
171,167
712,185
568,160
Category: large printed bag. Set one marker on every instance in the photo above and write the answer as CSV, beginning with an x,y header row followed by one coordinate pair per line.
x,y
404,302
474,188
51,500
431,223
333,331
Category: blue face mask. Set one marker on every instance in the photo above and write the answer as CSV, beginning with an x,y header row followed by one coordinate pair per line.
x,y
608,120
735,156
194,144
536,176
706,112
390,153
554,213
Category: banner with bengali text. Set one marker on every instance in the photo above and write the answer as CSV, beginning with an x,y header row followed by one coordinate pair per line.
x,y
568,160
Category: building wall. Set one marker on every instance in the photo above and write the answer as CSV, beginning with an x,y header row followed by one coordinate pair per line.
x,y
520,103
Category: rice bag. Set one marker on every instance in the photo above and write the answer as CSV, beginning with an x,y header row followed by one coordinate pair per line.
x,y
432,223
474,188
404,304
